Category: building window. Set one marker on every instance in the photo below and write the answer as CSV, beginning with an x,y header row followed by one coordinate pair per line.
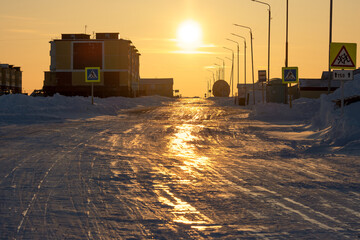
x,y
64,79
111,79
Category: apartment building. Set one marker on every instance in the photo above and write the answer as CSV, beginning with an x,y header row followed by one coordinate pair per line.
x,y
118,60
10,79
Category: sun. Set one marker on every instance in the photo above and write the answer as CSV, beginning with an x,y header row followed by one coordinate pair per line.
x,y
189,35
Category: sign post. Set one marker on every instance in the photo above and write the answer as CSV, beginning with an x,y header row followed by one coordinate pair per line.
x,y
290,75
92,75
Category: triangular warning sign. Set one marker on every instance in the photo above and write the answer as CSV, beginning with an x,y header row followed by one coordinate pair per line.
x,y
290,76
92,75
343,59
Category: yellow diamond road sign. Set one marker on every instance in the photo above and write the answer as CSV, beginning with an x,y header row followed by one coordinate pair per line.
x,y
343,55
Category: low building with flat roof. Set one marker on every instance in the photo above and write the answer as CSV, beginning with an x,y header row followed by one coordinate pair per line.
x,y
157,86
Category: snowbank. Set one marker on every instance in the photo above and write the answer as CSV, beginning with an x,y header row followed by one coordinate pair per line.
x,y
322,116
303,110
340,130
319,115
22,109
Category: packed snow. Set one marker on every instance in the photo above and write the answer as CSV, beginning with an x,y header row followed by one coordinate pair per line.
x,y
320,117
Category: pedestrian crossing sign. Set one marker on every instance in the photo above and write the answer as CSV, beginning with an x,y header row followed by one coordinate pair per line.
x,y
92,74
343,55
290,75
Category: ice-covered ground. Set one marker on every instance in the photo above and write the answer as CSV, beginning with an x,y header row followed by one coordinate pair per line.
x,y
186,170
22,109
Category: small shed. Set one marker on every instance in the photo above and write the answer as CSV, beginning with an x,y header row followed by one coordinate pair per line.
x,y
276,91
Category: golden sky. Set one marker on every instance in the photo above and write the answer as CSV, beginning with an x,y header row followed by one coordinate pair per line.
x,y
27,27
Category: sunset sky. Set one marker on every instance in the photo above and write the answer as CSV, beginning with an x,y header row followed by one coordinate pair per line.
x,y
153,26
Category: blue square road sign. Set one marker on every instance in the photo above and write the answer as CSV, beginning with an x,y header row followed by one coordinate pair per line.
x,y
290,75
92,74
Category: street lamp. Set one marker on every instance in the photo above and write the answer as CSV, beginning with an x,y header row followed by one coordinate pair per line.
x,y
238,61
330,40
268,36
232,70
219,77
252,58
212,78
287,35
223,67
244,60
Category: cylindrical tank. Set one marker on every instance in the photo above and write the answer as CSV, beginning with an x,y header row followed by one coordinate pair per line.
x,y
221,89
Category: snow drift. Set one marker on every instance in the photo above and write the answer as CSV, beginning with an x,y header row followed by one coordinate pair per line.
x,y
22,109
340,130
322,116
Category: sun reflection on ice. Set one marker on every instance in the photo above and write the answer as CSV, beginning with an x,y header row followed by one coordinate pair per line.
x,y
183,211
181,145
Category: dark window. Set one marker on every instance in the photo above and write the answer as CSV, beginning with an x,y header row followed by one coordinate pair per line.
x,y
87,55
64,78
111,79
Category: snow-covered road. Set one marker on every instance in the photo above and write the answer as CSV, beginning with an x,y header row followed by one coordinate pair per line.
x,y
188,170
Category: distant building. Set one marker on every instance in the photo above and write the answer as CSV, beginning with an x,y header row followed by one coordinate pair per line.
x,y
10,79
117,58
315,87
156,86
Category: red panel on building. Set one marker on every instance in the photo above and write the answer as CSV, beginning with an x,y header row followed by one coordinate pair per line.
x,y
87,55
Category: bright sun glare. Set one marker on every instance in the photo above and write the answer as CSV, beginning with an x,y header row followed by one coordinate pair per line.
x,y
189,35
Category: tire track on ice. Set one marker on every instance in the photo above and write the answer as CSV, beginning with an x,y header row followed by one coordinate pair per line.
x,y
30,204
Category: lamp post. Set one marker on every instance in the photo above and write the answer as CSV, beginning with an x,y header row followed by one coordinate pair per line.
x,y
287,48
211,85
219,77
223,67
232,70
268,77
238,60
330,40
287,35
252,58
244,61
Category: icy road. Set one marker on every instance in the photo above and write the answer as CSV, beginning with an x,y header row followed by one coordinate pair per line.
x,y
187,170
